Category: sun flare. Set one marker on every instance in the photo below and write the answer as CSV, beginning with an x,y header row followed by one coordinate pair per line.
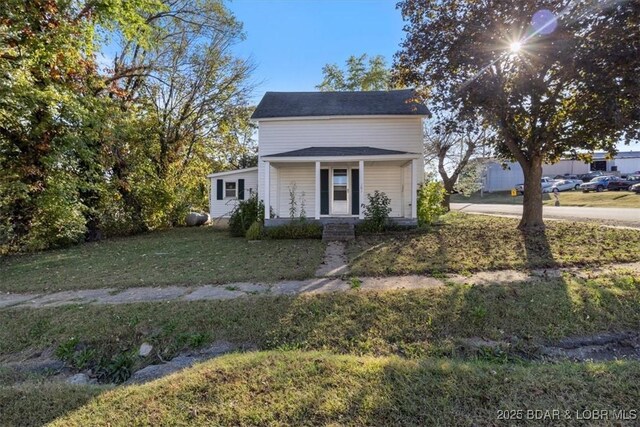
x,y
515,47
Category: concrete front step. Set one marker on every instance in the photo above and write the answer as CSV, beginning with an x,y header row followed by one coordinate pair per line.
x,y
338,232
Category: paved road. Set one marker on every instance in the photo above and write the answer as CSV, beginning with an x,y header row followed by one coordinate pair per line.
x,y
629,216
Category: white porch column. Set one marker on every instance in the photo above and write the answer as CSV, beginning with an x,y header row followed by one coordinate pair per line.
x,y
414,188
317,207
267,190
361,189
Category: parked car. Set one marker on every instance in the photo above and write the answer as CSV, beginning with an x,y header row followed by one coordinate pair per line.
x,y
635,188
599,183
635,179
545,184
589,176
567,176
565,185
617,184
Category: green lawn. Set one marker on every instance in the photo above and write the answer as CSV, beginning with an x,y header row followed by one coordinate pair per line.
x,y
607,199
180,256
297,388
466,243
411,323
347,358
415,360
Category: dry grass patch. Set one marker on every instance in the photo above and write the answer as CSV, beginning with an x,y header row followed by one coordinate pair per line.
x,y
466,243
295,388
415,323
180,256
607,199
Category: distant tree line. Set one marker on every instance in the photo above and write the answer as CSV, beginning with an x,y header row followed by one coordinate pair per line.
x,y
92,148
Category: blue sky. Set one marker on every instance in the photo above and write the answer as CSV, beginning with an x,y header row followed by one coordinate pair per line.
x,y
291,40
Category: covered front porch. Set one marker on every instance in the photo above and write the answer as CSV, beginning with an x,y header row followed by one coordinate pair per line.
x,y
334,188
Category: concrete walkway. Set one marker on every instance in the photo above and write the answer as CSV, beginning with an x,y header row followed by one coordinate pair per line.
x,y
335,261
311,286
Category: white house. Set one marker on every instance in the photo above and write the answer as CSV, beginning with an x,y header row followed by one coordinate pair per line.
x,y
331,149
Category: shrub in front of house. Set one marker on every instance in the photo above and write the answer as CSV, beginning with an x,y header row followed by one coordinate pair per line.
x,y
256,231
430,198
245,214
295,230
376,213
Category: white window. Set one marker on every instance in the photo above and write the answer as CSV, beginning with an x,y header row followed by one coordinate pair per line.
x,y
230,189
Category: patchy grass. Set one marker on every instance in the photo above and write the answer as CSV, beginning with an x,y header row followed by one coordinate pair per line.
x,y
411,323
296,388
477,242
606,199
180,256
37,403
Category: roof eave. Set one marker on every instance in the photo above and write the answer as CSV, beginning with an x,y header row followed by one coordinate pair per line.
x,y
224,173
355,116
354,158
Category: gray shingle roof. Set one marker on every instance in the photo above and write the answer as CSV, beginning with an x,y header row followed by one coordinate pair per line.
x,y
338,151
309,104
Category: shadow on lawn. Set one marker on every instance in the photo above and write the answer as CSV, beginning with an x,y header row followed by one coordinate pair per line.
x,y
537,250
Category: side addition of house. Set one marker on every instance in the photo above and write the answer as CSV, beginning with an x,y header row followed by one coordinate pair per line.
x,y
331,149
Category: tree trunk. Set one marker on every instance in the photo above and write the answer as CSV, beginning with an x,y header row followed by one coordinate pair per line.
x,y
532,203
448,190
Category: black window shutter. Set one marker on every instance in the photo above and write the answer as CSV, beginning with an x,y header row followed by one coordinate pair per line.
x,y
219,189
324,192
355,191
241,189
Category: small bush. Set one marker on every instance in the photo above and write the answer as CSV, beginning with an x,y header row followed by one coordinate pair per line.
x,y
376,212
245,214
118,369
430,197
295,230
255,232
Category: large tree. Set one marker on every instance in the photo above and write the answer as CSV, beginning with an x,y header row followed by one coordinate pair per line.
x,y
47,78
194,93
551,77
87,152
453,150
360,73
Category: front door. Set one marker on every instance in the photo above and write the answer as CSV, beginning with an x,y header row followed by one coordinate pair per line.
x,y
340,192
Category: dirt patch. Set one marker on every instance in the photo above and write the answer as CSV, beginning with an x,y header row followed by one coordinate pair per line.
x,y
44,365
597,348
592,348
185,360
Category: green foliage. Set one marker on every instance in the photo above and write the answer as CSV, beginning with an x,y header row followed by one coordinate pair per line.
x,y
295,230
246,213
470,179
549,90
430,198
376,212
117,369
293,204
256,231
66,350
357,75
88,153
355,283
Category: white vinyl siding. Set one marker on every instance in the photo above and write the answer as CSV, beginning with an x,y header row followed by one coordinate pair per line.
x,y
222,208
406,190
304,177
387,179
390,133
